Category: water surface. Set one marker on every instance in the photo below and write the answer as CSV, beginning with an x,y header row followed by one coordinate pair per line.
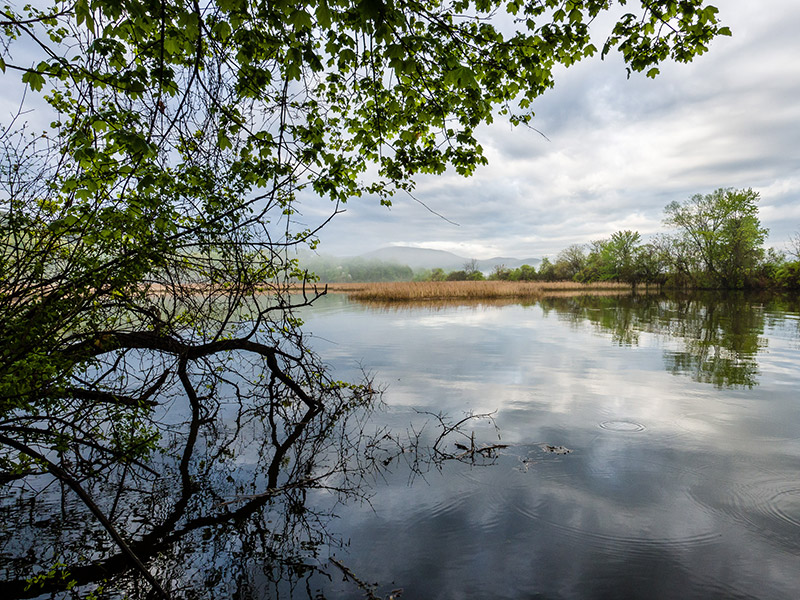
x,y
645,448
682,418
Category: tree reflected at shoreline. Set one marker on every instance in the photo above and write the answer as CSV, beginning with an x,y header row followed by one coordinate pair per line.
x,y
721,333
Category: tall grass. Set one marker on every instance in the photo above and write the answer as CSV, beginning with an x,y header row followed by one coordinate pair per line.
x,y
468,290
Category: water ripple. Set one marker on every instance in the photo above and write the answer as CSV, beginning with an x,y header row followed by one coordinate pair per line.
x,y
770,507
622,425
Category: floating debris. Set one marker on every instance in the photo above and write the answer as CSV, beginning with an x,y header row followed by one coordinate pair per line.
x,y
555,449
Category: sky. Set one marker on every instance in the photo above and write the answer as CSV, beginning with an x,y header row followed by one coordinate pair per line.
x,y
617,150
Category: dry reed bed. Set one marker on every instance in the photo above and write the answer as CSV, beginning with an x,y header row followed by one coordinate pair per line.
x,y
468,290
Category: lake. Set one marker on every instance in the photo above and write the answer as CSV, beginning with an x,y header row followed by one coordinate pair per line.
x,y
626,447
682,421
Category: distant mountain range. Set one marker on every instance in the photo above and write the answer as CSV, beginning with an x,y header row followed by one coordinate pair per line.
x,y
423,258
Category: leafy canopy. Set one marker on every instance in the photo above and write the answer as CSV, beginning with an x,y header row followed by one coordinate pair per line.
x,y
335,84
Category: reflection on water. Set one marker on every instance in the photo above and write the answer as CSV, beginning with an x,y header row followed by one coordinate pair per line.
x,y
720,336
649,448
221,512
683,424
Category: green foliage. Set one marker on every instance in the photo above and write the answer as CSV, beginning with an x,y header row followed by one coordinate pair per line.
x,y
524,273
723,232
788,275
617,257
457,276
547,271
500,273
438,274
56,573
570,262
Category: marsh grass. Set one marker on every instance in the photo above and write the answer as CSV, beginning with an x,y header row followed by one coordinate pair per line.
x,y
414,291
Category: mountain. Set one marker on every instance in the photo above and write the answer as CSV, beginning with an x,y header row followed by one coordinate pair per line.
x,y
424,258
417,258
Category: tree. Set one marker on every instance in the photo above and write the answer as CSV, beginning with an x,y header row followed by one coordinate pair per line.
x,y
787,272
144,234
679,260
438,274
471,266
619,257
570,261
472,270
456,276
724,231
500,273
547,270
651,263
793,247
524,273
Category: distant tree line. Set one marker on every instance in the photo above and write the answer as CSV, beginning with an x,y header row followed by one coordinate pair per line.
x,y
717,244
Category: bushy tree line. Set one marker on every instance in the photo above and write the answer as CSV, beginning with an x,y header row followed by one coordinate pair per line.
x,y
717,242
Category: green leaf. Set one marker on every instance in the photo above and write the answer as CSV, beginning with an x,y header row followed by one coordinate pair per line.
x,y
34,80
222,30
323,14
223,141
172,45
301,20
83,14
395,51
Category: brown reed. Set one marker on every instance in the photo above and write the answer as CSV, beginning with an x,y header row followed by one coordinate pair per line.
x,y
413,291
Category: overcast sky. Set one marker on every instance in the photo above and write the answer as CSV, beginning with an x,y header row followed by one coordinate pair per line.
x,y
619,150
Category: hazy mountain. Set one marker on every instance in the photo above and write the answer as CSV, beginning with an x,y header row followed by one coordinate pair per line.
x,y
334,269
417,258
423,258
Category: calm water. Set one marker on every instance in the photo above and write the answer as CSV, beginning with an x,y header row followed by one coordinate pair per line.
x,y
651,451
683,423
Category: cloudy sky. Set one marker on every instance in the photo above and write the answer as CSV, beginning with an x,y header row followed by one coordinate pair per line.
x,y
617,151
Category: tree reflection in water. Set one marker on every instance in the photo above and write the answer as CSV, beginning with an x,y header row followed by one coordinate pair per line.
x,y
247,461
720,333
223,507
